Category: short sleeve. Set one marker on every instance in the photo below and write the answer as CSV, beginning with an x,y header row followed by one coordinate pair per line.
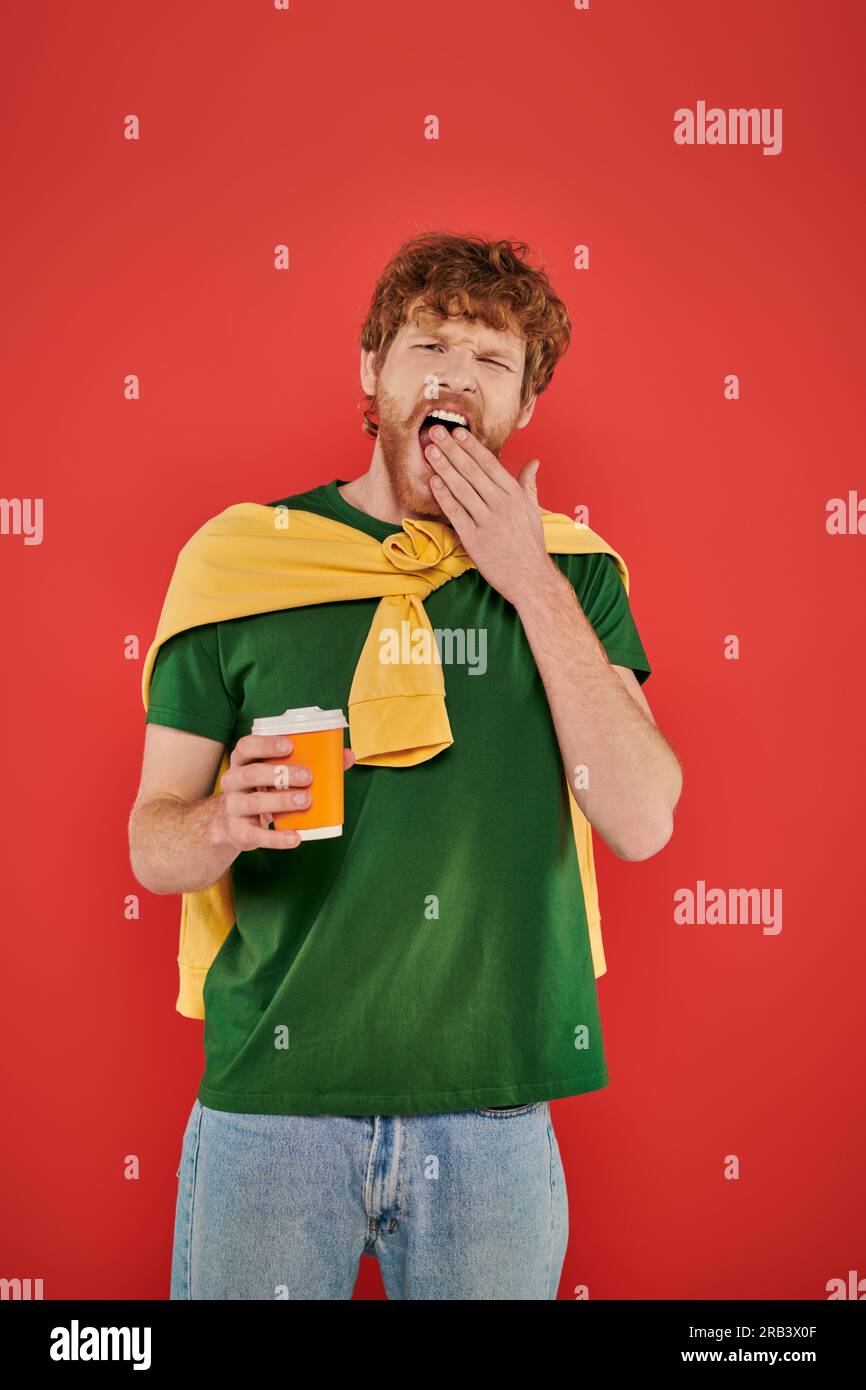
x,y
603,598
187,690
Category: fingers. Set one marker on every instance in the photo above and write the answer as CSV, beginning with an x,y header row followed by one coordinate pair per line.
x,y
252,747
249,801
249,776
467,460
255,803
247,835
249,750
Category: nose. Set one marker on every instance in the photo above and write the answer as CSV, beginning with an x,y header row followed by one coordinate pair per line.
x,y
457,372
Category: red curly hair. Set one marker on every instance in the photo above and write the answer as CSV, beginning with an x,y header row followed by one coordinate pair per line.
x,y
485,280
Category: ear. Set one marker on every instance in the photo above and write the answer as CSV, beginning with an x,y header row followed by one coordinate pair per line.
x,y
525,415
368,376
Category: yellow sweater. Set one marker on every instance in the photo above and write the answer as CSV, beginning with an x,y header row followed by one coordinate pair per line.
x,y
253,558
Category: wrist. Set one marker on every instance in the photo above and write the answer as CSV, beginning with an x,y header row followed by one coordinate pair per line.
x,y
217,828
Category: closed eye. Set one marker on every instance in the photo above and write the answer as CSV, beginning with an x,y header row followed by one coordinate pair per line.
x,y
492,360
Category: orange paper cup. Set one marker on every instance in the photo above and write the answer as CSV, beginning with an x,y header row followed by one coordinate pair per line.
x,y
317,738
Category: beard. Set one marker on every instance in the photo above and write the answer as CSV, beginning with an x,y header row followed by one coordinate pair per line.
x,y
407,469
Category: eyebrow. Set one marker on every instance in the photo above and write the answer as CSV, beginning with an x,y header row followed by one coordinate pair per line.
x,y
489,351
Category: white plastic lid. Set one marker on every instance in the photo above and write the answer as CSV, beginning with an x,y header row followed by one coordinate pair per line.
x,y
305,720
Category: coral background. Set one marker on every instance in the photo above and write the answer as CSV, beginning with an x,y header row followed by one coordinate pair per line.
x,y
155,257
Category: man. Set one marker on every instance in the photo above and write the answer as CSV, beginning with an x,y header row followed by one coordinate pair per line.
x,y
431,967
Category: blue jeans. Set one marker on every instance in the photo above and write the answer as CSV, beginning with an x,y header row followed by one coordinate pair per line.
x,y
469,1204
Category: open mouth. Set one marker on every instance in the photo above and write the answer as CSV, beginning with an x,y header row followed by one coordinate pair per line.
x,y
450,419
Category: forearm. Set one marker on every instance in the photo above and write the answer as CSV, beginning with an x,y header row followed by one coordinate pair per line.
x,y
632,779
178,846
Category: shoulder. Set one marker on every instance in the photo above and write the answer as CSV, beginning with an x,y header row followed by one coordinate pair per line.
x,y
313,497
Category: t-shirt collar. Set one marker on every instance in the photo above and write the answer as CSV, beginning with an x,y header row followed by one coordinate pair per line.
x,y
362,521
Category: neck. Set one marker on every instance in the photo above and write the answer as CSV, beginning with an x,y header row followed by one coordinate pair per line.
x,y
374,494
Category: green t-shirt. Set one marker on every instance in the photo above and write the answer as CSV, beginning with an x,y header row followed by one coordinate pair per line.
x,y
435,956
